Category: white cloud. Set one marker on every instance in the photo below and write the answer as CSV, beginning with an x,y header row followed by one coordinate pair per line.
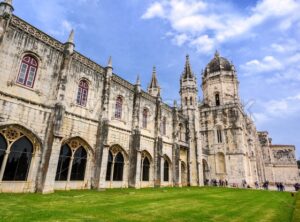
x,y
282,108
198,18
267,64
155,10
203,44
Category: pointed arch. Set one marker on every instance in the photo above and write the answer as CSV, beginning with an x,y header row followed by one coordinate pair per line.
x,y
146,169
73,159
19,159
118,167
3,148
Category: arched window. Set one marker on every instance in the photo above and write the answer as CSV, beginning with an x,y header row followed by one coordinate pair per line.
x,y
186,101
19,160
146,169
109,165
63,163
217,97
219,136
82,94
79,164
118,167
145,118
3,147
27,71
191,101
166,170
119,104
164,126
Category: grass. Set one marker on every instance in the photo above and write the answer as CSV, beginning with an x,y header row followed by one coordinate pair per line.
x,y
161,204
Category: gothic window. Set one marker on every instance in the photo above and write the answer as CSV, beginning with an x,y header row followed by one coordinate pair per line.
x,y
82,94
166,170
118,167
27,71
118,111
191,101
3,147
145,118
79,164
219,136
217,97
19,159
63,163
186,101
109,165
146,169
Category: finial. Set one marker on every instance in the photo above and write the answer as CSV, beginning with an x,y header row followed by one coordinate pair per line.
x,y
109,64
154,70
138,81
175,103
217,54
187,57
71,37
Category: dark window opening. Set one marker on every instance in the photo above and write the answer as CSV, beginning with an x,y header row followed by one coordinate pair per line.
x,y
19,160
146,169
217,100
79,164
3,147
118,167
166,170
63,163
109,165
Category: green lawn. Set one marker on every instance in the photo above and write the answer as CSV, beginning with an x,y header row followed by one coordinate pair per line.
x,y
161,204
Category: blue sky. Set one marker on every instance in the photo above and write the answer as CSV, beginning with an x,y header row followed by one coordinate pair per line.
x,y
260,37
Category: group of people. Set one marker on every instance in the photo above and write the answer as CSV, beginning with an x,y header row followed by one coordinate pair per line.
x,y
297,186
280,186
214,182
265,185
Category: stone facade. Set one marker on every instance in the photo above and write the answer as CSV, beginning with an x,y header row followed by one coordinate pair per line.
x,y
73,124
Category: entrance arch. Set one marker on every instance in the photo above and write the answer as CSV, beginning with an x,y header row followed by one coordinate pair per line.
x,y
20,153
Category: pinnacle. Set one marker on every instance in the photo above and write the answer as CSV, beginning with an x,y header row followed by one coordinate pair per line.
x,y
71,37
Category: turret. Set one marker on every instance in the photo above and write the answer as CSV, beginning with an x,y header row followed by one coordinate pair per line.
x,y
219,82
6,10
109,67
188,87
153,88
69,45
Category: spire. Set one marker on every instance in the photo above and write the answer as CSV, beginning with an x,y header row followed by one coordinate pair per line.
x,y
154,88
71,37
138,81
154,82
109,64
187,73
217,54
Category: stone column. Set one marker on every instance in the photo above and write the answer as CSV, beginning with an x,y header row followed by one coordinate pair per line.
x,y
102,179
138,175
52,167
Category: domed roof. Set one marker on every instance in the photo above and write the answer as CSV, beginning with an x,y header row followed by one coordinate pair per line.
x,y
217,64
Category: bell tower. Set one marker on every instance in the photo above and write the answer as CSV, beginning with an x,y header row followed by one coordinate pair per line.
x,y
219,82
188,88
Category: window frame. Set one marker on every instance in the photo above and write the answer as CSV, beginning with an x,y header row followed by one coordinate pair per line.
x,y
27,71
119,107
81,91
